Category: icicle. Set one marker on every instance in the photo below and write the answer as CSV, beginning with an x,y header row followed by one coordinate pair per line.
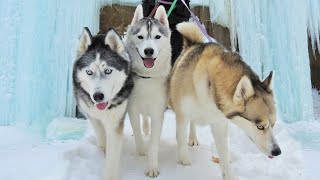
x,y
272,35
314,23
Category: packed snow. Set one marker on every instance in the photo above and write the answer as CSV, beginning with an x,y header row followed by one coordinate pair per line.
x,y
25,156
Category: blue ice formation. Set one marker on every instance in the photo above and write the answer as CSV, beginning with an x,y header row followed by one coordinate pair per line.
x,y
38,40
37,49
273,35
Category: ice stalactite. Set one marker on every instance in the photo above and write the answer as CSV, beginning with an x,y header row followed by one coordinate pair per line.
x,y
38,42
273,35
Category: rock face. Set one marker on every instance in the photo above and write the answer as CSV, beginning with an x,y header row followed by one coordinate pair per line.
x,y
314,66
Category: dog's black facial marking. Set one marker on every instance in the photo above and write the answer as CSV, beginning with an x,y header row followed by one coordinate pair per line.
x,y
150,23
111,57
114,60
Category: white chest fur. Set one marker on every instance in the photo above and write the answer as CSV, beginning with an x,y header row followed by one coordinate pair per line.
x,y
149,94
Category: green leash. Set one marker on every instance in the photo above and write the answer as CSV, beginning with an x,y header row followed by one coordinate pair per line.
x,y
173,5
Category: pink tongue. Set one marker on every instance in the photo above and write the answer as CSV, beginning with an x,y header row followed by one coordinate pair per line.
x,y
148,62
270,157
102,106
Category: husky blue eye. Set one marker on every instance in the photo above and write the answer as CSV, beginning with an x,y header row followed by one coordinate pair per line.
x,y
158,37
140,37
108,71
89,72
260,127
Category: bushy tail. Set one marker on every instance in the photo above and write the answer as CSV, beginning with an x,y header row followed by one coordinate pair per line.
x,y
191,32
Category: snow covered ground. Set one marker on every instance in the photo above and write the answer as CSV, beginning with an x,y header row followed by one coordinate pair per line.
x,y
24,156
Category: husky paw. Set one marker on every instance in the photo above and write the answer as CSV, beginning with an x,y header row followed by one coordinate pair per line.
x,y
141,151
193,142
153,172
184,161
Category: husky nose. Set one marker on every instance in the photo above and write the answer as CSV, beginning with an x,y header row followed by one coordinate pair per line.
x,y
276,152
98,97
148,52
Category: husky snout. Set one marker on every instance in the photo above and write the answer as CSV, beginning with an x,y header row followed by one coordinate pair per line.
x,y
148,52
276,150
98,97
148,62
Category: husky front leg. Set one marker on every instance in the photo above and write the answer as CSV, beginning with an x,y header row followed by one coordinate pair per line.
x,y
99,132
193,141
113,158
182,140
153,152
220,135
134,117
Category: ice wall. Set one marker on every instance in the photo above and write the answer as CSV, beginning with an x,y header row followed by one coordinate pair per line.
x,y
273,35
37,48
38,40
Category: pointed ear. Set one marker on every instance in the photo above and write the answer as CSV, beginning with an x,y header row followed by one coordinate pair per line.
x,y
161,15
114,41
244,90
268,82
85,42
138,14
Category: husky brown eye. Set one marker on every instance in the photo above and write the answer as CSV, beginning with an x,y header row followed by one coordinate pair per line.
x,y
89,72
158,37
140,37
260,127
108,71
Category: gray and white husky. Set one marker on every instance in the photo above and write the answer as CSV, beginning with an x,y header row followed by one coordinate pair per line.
x,y
148,45
102,84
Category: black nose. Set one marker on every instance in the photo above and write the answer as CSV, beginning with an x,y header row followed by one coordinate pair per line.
x,y
148,52
98,97
276,152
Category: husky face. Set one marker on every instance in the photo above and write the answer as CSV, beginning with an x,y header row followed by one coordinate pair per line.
x,y
259,115
149,40
102,67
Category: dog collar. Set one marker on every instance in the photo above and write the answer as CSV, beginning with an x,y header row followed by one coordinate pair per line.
x,y
144,77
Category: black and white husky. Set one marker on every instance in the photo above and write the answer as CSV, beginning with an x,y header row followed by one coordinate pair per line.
x,y
148,45
102,84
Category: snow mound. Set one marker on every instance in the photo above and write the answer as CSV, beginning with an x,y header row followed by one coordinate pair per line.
x,y
66,128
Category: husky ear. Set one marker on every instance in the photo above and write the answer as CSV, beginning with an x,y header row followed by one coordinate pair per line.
x,y
244,90
161,15
138,14
268,82
85,41
114,41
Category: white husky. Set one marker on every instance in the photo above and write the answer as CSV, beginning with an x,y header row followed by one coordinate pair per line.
x,y
148,45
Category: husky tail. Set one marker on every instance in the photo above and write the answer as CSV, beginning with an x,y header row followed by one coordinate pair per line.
x,y
191,32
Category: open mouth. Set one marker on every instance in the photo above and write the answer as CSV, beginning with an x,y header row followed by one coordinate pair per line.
x,y
148,62
102,105
270,157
